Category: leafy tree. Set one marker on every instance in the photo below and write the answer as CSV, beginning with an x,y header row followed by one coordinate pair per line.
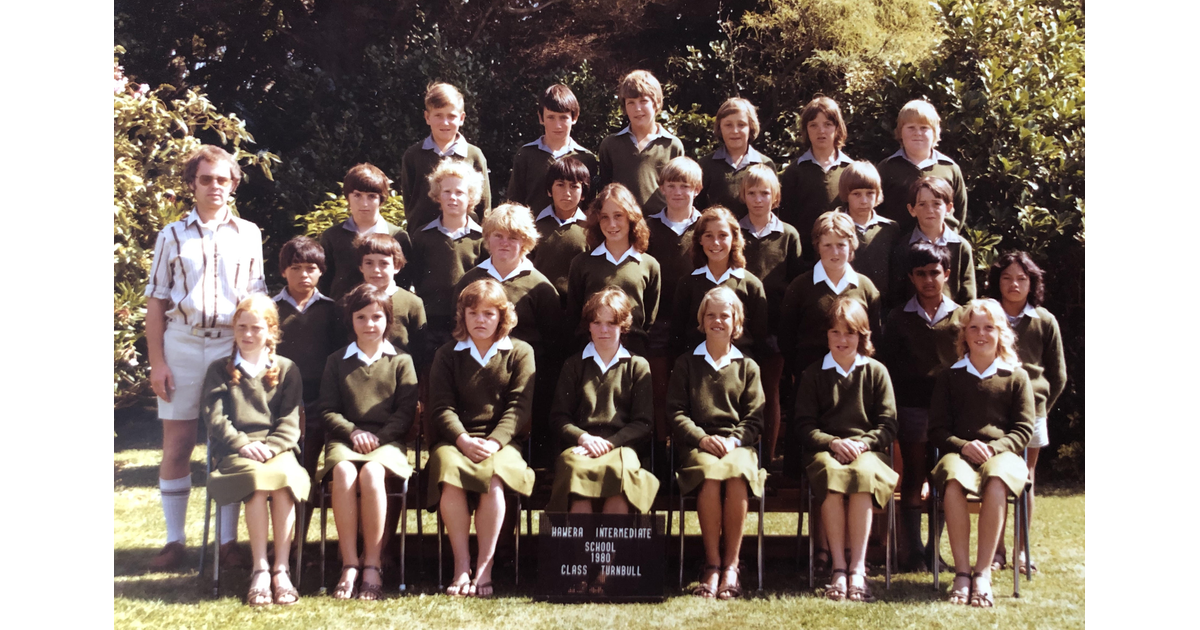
x,y
152,137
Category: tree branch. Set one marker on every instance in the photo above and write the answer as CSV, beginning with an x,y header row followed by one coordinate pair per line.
x,y
528,10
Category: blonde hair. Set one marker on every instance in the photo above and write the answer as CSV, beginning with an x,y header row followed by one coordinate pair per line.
x,y
920,111
639,232
858,175
263,306
736,247
723,295
849,311
681,169
439,95
731,107
485,292
761,175
1006,349
641,83
837,223
614,298
515,219
450,167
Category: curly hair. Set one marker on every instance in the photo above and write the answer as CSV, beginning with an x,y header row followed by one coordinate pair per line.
x,y
639,232
485,292
613,298
264,307
1006,350
513,219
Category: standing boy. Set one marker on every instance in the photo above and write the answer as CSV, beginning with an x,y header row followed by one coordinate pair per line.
x,y
918,128
366,188
860,190
931,202
560,225
444,113
633,156
203,266
558,111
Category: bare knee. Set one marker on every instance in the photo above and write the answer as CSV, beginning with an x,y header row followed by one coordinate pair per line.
x,y
372,476
736,488
345,474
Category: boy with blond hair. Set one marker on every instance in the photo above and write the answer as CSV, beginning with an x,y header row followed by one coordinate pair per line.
x,y
861,190
558,111
365,188
930,203
633,156
918,128
444,113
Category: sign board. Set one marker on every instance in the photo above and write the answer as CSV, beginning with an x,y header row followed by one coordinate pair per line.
x,y
601,557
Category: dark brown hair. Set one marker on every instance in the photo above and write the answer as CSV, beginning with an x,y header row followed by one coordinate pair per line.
x,y
939,187
568,169
365,178
560,99
301,250
829,107
851,312
365,244
361,297
1037,277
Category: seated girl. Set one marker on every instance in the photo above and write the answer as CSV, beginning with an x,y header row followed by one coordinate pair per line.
x,y
251,404
368,402
981,417
480,395
846,418
603,410
715,405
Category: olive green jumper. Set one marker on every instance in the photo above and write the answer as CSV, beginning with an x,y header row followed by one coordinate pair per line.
x,y
416,166
342,266
622,163
617,405
527,183
898,175
997,410
1039,344
307,339
492,401
237,415
702,401
380,398
860,406
804,323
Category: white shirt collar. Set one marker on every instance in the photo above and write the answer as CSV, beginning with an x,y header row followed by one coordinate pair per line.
x,y
736,272
1030,310
549,212
659,132
875,218
934,158
391,289
702,351
590,352
629,253
385,347
471,226
839,158
380,226
848,278
252,369
678,227
316,297
504,343
458,146
944,309
749,157
773,225
948,236
522,267
830,362
997,364
223,216
570,146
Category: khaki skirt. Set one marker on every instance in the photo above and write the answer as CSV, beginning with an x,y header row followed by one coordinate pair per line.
x,y
1008,467
392,456
698,466
869,473
617,472
237,478
447,464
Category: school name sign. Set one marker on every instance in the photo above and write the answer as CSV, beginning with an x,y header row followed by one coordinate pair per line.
x,y
601,557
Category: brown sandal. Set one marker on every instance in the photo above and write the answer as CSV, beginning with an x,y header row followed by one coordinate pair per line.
x,y
370,592
703,589
860,593
281,592
345,588
834,592
981,599
258,597
957,597
731,591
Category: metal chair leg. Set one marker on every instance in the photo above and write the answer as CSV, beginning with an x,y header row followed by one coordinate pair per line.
x,y
298,536
935,514
517,546
403,534
207,516
762,509
441,582
324,516
811,540
217,554
887,542
681,537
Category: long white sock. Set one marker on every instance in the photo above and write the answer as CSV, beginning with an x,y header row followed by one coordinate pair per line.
x,y
174,494
229,522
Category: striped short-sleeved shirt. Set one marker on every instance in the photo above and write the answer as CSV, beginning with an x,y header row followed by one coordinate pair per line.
x,y
204,271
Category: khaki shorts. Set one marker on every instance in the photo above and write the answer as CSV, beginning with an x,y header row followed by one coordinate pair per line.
x,y
189,356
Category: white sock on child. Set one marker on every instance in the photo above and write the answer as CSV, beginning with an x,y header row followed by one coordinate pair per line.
x,y
174,494
229,522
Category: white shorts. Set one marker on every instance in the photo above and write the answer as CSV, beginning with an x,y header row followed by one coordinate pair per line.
x,y
1041,436
189,356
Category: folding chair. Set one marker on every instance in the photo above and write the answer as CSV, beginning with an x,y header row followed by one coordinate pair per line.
x,y
889,534
209,465
683,500
1021,521
392,492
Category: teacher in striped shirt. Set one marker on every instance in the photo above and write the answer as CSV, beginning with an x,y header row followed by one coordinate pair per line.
x,y
203,266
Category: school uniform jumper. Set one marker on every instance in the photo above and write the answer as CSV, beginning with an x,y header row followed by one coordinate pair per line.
x,y
342,266
308,336
960,287
636,274
621,162
773,255
804,323
898,175
440,261
722,179
685,331
808,190
419,162
527,183
560,242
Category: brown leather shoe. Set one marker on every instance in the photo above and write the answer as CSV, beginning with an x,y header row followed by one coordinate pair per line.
x,y
233,556
171,557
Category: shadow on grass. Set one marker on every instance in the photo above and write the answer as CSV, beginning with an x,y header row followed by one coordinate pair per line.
x,y
147,476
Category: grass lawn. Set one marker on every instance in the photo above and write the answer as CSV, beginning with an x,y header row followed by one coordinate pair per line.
x,y
1055,599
